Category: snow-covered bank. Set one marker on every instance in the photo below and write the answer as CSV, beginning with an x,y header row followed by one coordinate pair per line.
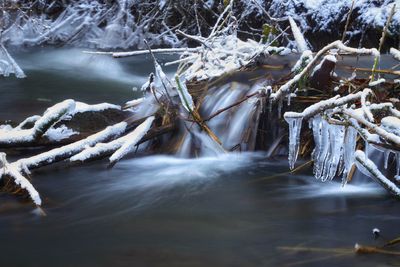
x,y
120,24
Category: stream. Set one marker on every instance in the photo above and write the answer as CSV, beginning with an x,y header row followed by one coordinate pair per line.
x,y
227,210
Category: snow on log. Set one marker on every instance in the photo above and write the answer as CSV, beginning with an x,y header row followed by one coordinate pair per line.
x,y
134,103
102,149
50,117
83,107
15,169
130,143
27,122
43,125
99,150
377,82
67,151
369,168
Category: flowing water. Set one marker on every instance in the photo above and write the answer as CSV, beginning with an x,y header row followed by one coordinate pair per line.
x,y
229,210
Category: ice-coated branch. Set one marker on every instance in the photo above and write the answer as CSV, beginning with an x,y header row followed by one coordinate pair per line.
x,y
319,107
187,102
367,166
220,18
184,95
8,64
373,127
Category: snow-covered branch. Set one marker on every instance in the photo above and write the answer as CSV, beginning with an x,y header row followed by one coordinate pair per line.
x,y
285,88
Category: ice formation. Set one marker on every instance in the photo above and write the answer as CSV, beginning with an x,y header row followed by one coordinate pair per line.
x,y
335,125
298,36
294,138
8,64
184,95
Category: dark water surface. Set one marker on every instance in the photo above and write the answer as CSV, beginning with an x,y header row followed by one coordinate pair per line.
x,y
230,210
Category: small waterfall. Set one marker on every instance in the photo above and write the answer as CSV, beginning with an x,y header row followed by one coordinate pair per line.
x,y
236,127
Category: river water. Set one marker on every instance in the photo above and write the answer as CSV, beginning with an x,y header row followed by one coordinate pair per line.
x,y
231,210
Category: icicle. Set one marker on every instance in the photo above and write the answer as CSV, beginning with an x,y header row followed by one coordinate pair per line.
x,y
270,102
366,149
349,147
280,108
386,156
397,163
294,139
336,138
320,157
316,128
